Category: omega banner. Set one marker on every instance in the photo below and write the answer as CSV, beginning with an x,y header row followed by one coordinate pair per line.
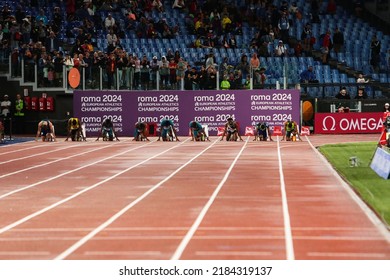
x,y
339,123
210,108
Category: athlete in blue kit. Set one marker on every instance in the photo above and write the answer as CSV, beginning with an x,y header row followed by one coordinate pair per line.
x,y
197,131
262,132
167,131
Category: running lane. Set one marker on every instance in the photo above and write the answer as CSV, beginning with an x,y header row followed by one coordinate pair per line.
x,y
327,221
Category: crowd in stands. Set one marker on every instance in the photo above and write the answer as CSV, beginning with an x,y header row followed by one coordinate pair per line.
x,y
216,24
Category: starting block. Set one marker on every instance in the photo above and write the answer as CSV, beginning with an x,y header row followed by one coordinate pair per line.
x,y
277,131
220,131
206,130
249,131
305,130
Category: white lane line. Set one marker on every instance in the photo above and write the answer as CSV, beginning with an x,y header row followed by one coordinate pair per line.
x,y
24,253
383,229
286,215
54,161
159,236
183,244
34,155
123,253
20,150
241,229
233,253
16,144
71,171
346,255
89,236
37,213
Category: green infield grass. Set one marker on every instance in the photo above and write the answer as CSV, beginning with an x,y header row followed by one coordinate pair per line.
x,y
373,190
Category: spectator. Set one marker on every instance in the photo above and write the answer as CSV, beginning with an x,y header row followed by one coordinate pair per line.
x,y
42,17
232,41
210,61
326,46
164,72
25,28
361,94
112,40
172,73
280,50
109,22
255,62
154,68
338,40
361,80
386,108
180,69
52,42
137,72
284,26
243,66
5,106
308,76
19,108
226,23
260,77
145,72
225,84
110,70
179,4
298,49
343,94
306,37
158,5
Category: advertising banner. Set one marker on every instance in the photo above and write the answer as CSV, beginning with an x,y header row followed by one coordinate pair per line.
x,y
340,123
211,108
381,163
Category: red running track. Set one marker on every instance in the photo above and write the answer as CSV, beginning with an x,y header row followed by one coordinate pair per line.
x,y
182,200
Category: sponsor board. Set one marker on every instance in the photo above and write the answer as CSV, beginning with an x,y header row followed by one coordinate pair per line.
x,y
381,163
339,123
211,108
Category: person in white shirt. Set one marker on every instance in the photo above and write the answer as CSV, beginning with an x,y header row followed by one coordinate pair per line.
x,y
5,106
280,49
109,22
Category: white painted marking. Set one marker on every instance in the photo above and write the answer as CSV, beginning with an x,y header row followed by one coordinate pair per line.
x,y
383,229
89,236
286,215
123,253
72,170
37,213
24,253
232,253
183,244
347,255
34,155
53,161
18,150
